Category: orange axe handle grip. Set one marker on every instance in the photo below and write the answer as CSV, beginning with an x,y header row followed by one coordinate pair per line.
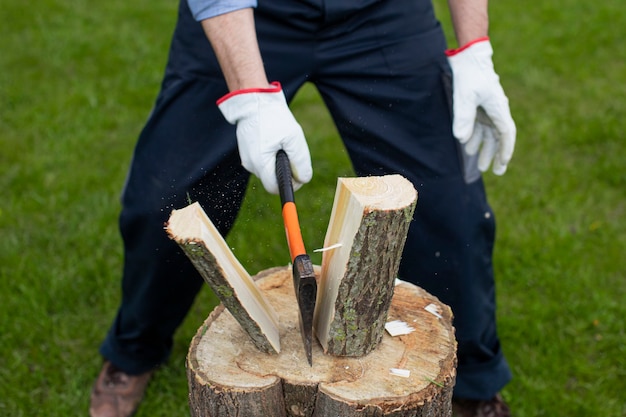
x,y
292,229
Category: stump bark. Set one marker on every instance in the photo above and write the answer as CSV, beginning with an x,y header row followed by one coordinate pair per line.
x,y
229,376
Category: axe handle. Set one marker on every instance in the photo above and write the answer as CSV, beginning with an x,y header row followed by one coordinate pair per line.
x,y
304,281
290,214
283,176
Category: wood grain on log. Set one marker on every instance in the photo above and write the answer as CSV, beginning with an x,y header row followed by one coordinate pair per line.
x,y
228,376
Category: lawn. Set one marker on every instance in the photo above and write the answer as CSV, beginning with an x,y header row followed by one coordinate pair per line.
x,y
77,81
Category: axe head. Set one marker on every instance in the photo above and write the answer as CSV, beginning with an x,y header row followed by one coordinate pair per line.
x,y
305,286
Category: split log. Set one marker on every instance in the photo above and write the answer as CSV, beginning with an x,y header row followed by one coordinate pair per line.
x,y
194,232
370,221
228,376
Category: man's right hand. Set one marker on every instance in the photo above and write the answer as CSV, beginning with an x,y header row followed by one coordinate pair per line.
x,y
264,126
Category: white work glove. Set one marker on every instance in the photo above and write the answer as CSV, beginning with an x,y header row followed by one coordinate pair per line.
x,y
264,126
482,119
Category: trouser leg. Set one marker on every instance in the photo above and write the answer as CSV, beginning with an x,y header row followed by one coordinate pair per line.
x,y
185,152
390,103
173,164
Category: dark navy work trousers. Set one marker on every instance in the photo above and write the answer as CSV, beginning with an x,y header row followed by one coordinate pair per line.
x,y
380,68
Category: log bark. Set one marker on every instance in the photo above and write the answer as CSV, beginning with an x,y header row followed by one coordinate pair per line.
x,y
370,220
228,376
205,247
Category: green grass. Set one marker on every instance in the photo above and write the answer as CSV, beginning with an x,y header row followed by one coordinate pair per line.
x,y
77,80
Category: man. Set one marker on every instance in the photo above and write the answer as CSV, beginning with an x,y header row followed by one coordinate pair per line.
x,y
381,70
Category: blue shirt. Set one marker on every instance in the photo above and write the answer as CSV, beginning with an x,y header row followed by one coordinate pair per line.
x,y
204,9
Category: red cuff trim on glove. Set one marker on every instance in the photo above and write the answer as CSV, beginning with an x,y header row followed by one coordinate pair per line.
x,y
452,52
275,89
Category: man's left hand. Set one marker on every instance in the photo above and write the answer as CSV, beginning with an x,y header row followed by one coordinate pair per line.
x,y
482,118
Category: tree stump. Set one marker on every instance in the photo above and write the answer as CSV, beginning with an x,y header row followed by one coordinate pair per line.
x,y
229,376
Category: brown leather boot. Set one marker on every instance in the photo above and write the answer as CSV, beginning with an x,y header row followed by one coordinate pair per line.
x,y
495,407
117,394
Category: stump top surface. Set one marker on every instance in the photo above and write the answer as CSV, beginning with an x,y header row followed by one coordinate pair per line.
x,y
222,354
